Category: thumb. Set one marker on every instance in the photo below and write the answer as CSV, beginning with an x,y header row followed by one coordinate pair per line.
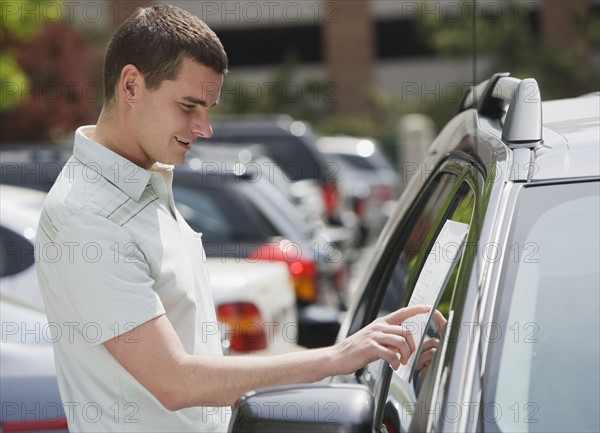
x,y
399,316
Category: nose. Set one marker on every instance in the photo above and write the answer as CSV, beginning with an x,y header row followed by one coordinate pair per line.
x,y
201,125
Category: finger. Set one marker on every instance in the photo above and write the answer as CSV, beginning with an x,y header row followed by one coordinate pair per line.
x,y
399,316
429,344
390,356
402,332
440,321
425,358
399,345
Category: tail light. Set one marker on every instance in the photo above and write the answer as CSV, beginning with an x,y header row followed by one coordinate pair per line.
x,y
304,278
331,198
302,269
245,324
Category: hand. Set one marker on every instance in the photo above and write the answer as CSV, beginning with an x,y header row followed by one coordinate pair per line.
x,y
384,338
429,347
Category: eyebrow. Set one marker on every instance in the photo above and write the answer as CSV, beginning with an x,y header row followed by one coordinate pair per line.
x,y
198,101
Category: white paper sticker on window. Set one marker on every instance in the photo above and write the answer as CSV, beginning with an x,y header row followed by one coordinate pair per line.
x,y
433,278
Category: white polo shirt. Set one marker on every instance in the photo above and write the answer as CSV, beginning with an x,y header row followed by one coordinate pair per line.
x,y
112,253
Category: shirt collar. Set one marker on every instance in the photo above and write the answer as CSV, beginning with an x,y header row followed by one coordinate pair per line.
x,y
124,174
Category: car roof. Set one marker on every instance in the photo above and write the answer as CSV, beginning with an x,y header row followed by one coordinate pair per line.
x,y
347,145
571,135
255,122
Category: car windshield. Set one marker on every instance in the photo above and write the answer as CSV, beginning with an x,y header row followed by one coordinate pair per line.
x,y
544,342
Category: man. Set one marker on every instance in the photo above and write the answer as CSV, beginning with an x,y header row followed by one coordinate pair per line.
x,y
123,276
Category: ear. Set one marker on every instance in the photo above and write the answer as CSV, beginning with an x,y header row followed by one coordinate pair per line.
x,y
131,83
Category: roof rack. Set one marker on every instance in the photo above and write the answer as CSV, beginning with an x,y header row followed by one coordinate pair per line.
x,y
518,101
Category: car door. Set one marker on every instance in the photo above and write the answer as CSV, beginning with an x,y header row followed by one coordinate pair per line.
x,y
455,192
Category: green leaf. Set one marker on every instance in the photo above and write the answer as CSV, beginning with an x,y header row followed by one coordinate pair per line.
x,y
13,80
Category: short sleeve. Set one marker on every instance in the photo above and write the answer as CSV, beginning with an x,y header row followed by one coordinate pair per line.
x,y
104,275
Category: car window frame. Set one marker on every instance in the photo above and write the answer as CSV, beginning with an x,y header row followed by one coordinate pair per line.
x,y
466,169
463,138
468,172
456,354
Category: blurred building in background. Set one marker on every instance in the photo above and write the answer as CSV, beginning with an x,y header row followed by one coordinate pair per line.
x,y
374,43
415,54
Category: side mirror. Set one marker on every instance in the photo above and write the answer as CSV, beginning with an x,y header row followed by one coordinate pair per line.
x,y
305,408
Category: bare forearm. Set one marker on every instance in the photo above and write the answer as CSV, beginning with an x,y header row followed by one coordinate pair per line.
x,y
219,381
180,380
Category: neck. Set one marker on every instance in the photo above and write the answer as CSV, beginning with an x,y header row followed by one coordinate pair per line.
x,y
111,133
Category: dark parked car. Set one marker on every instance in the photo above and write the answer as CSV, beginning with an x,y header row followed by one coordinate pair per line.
x,y
292,145
36,166
304,195
244,216
500,233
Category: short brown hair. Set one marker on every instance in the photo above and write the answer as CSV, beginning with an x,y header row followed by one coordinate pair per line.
x,y
156,40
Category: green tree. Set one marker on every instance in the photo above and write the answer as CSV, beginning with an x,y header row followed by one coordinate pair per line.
x,y
17,25
508,34
50,73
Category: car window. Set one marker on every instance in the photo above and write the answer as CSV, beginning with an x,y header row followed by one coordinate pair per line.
x,y
448,196
405,251
543,367
446,256
16,253
202,212
222,217
446,203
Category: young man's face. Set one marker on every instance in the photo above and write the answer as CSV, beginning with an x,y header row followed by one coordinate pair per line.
x,y
165,121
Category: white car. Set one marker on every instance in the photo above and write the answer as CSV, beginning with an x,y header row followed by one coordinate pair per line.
x,y
28,388
255,300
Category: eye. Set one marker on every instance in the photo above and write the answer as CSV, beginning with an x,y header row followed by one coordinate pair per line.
x,y
187,107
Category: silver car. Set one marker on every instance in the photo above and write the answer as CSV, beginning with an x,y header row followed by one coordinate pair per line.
x,y
500,232
28,388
